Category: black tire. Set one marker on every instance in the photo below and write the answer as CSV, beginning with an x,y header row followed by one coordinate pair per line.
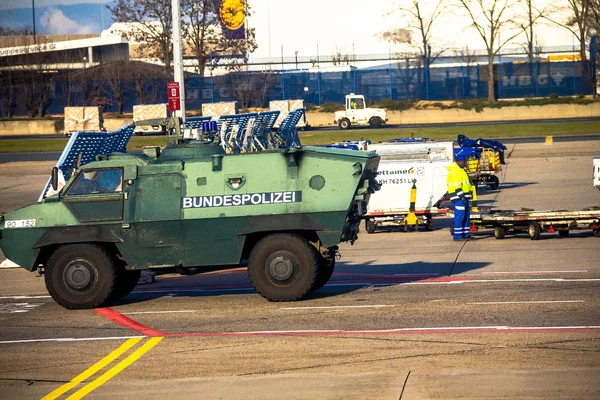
x,y
370,226
534,231
493,182
126,281
375,122
499,232
563,233
429,226
344,123
80,276
451,230
326,268
189,271
283,267
596,232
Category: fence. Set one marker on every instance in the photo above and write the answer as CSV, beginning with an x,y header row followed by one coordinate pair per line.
x,y
256,89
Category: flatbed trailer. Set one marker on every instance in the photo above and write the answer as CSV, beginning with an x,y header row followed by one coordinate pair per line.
x,y
535,222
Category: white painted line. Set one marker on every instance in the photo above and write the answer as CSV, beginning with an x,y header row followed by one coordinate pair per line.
x,y
534,272
89,339
8,264
530,302
336,307
20,297
417,275
158,312
449,329
436,329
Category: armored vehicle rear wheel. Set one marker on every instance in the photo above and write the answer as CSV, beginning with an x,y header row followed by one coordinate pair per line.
x,y
126,281
80,276
283,267
326,268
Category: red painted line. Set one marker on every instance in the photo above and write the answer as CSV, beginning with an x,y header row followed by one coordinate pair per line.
x,y
127,322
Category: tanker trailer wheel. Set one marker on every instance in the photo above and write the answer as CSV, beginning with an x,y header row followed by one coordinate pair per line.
x,y
326,268
344,123
80,276
283,267
126,281
534,230
370,226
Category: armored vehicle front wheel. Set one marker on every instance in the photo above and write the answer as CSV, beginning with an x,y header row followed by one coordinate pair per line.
x,y
326,268
283,267
126,281
80,276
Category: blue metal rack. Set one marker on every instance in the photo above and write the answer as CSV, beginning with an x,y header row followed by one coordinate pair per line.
x,y
90,144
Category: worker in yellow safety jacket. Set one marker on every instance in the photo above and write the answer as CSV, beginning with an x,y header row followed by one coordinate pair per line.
x,y
460,191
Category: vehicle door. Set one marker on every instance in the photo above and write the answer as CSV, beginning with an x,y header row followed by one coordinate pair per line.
x,y
97,195
355,109
158,217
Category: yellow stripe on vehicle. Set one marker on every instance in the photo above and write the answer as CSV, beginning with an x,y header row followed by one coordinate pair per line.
x,y
92,370
115,370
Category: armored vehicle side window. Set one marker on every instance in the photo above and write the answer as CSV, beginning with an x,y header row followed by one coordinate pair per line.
x,y
98,181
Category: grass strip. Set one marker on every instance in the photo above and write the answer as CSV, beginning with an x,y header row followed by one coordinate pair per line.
x,y
326,136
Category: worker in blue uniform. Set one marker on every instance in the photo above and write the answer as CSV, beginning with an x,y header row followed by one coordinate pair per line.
x,y
460,191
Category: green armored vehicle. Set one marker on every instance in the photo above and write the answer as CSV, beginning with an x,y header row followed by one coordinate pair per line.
x,y
191,204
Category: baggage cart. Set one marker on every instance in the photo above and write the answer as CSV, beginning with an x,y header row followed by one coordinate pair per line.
x,y
535,222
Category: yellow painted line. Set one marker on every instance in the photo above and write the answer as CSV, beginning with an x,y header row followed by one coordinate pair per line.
x,y
115,370
92,370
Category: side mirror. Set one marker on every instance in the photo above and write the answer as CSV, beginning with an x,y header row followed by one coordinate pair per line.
x,y
78,160
54,178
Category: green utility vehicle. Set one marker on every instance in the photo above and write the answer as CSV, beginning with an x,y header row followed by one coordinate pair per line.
x,y
190,204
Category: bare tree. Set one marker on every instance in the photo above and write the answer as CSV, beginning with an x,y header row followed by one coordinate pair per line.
x,y
533,14
490,18
200,30
144,77
409,67
203,35
8,91
578,22
151,25
419,20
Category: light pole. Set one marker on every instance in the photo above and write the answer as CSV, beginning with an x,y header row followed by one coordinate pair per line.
x,y
33,13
